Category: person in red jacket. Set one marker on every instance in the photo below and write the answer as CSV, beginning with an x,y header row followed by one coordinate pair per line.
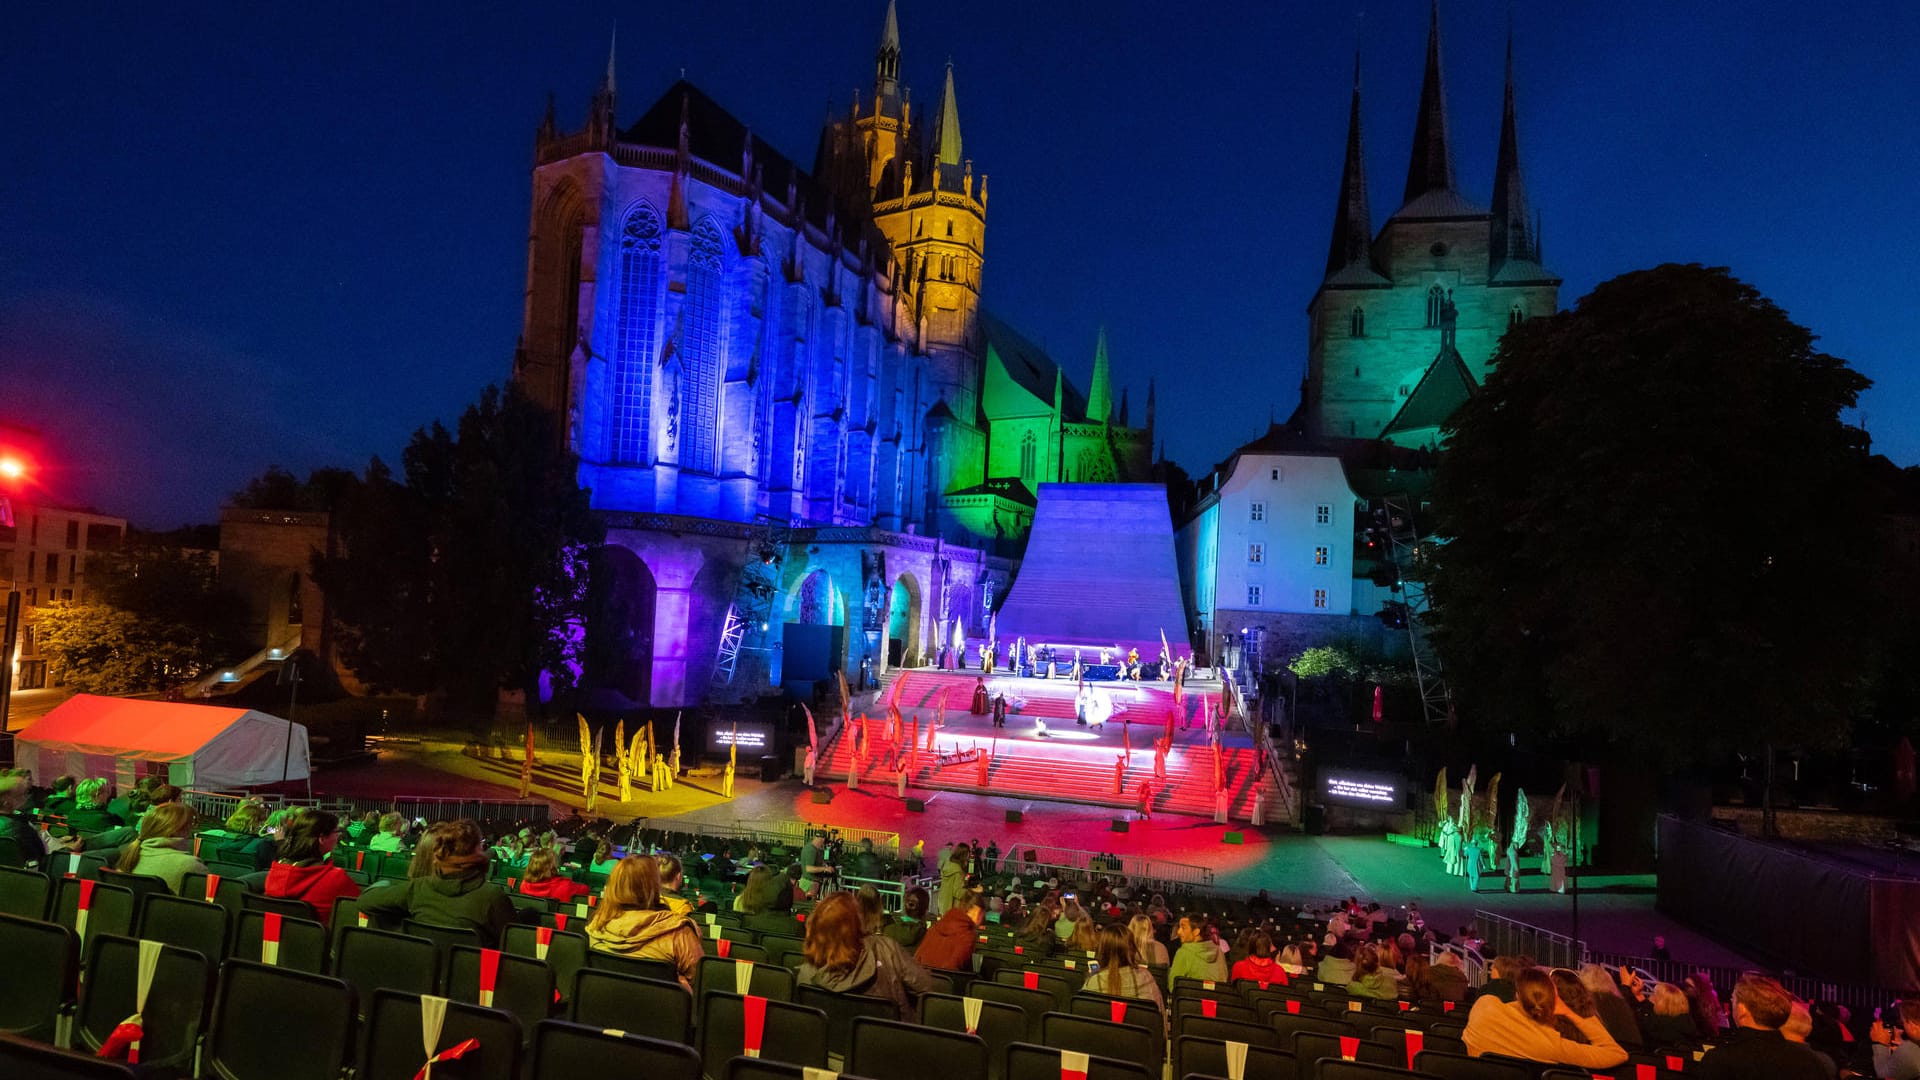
x,y
949,941
300,870
544,878
1259,964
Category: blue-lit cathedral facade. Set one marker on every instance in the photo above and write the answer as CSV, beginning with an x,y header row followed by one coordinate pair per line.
x,y
747,357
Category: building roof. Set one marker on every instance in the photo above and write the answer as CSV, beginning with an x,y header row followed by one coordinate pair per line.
x,y
1030,366
1444,388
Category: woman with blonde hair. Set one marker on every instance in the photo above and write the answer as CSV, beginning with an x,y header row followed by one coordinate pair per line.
x,y
1119,972
840,957
1086,936
1152,952
161,850
631,920
391,837
1371,978
1524,1027
1667,1018
544,878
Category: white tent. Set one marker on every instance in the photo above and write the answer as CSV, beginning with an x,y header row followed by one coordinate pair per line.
x,y
198,746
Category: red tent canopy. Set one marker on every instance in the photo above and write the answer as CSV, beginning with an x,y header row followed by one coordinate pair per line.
x,y
201,746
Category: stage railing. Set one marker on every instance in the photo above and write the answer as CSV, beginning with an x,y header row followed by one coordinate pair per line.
x,y
1014,860
893,893
1474,964
787,833
1510,937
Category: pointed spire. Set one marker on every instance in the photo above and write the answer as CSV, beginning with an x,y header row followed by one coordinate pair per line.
x,y
1514,238
1431,167
610,84
600,110
1149,406
886,67
1123,407
1059,395
1352,219
1099,389
946,125
682,161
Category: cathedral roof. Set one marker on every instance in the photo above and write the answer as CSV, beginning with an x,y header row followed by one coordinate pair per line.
x,y
1523,272
717,136
1030,366
1444,388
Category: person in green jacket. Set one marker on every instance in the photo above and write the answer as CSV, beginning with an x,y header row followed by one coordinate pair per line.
x,y
1199,955
1371,978
953,877
455,894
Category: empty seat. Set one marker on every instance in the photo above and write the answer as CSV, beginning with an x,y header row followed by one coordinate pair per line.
x,y
300,944
176,999
730,1023
566,954
24,893
890,1050
1314,1045
997,1025
1359,1070
783,950
520,985
732,948
841,1009
1065,1031
1218,1010
487,1040
26,1059
109,908
188,924
1213,1057
1056,986
283,905
746,1068
564,1051
251,1038
375,959
652,1008
1033,1004
632,965
43,962
141,885
1461,1067
1282,1024
766,980
444,938
1026,1061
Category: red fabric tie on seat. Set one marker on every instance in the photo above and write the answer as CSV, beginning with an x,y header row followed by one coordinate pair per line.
x,y
1416,1041
1349,1047
755,1009
1209,1008
452,1053
489,975
1676,1063
542,940
723,947
1446,1006
1118,1009
1030,979
1073,1065
560,920
1293,1008
270,938
213,887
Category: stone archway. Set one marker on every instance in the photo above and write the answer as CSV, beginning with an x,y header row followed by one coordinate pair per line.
x,y
905,645
620,644
817,601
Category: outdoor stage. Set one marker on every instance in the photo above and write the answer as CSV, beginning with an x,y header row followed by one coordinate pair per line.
x,y
1069,763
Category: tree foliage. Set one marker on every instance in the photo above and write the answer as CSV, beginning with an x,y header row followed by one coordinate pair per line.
x,y
153,618
1653,524
466,574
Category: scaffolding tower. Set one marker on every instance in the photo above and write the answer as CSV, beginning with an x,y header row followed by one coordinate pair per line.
x,y
749,617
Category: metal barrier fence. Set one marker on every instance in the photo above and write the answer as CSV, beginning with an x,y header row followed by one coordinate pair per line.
x,y
221,804
1510,937
893,894
799,832
1474,964
1027,858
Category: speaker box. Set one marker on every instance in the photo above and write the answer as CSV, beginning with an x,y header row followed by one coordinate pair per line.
x,y
916,806
1120,824
1234,838
1316,820
1014,817
822,795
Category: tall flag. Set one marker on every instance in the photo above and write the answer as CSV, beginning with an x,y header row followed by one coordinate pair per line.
x,y
586,757
526,765
622,761
846,699
675,765
1166,655
633,754
1440,796
813,735
593,792
733,745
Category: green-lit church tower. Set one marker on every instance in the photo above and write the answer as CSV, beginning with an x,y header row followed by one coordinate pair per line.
x,y
1405,322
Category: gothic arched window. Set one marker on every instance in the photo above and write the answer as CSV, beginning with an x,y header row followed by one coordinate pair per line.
x,y
1029,457
1357,326
637,338
700,349
1516,316
1436,299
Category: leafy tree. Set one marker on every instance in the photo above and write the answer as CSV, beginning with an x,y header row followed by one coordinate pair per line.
x,y
468,574
278,489
153,618
1652,525
1323,660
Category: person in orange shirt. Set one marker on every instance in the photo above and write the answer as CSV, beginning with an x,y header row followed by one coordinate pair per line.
x,y
1524,1027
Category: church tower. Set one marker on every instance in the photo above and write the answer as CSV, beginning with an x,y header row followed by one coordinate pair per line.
x,y
1404,325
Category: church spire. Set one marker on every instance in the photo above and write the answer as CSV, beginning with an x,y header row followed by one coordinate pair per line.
x,y
886,67
1352,220
946,126
600,110
1149,406
1099,388
1514,238
1431,167
1123,407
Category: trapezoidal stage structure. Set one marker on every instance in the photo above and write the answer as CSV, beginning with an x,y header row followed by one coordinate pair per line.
x,y
1099,571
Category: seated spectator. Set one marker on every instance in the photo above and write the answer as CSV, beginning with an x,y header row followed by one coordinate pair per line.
x,y
241,840
1036,935
949,942
60,800
1086,937
1152,952
1371,978
1259,964
13,797
300,870
1612,1006
839,957
1064,924
365,827
1709,1018
1336,967
673,882
1524,1027
1500,975
1667,1018
1199,955
759,902
1761,1007
161,848
543,878
1446,978
631,921
455,894
1118,970
910,929
391,836
873,914
1799,1029
89,815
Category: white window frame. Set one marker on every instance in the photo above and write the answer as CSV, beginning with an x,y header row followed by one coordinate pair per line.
x,y
1322,556
1323,514
1257,511
1256,554
1319,599
1253,596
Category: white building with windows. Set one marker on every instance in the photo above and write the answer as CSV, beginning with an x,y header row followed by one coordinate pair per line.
x,y
1269,544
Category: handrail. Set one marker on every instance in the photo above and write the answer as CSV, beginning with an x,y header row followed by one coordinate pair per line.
x,y
219,675
1511,937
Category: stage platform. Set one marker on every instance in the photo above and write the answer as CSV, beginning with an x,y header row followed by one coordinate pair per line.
x,y
1069,763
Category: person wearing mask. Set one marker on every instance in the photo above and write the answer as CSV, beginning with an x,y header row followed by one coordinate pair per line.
x,y
1666,1019
1118,971
949,942
300,870
1152,952
1613,1009
839,957
1761,1007
13,798
1199,955
1371,978
543,878
953,877
391,836
161,848
1524,1027
910,929
456,893
631,920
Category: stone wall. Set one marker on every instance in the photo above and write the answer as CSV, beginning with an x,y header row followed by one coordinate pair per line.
x,y
1813,826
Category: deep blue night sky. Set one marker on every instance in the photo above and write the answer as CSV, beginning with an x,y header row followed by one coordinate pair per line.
x,y
235,235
